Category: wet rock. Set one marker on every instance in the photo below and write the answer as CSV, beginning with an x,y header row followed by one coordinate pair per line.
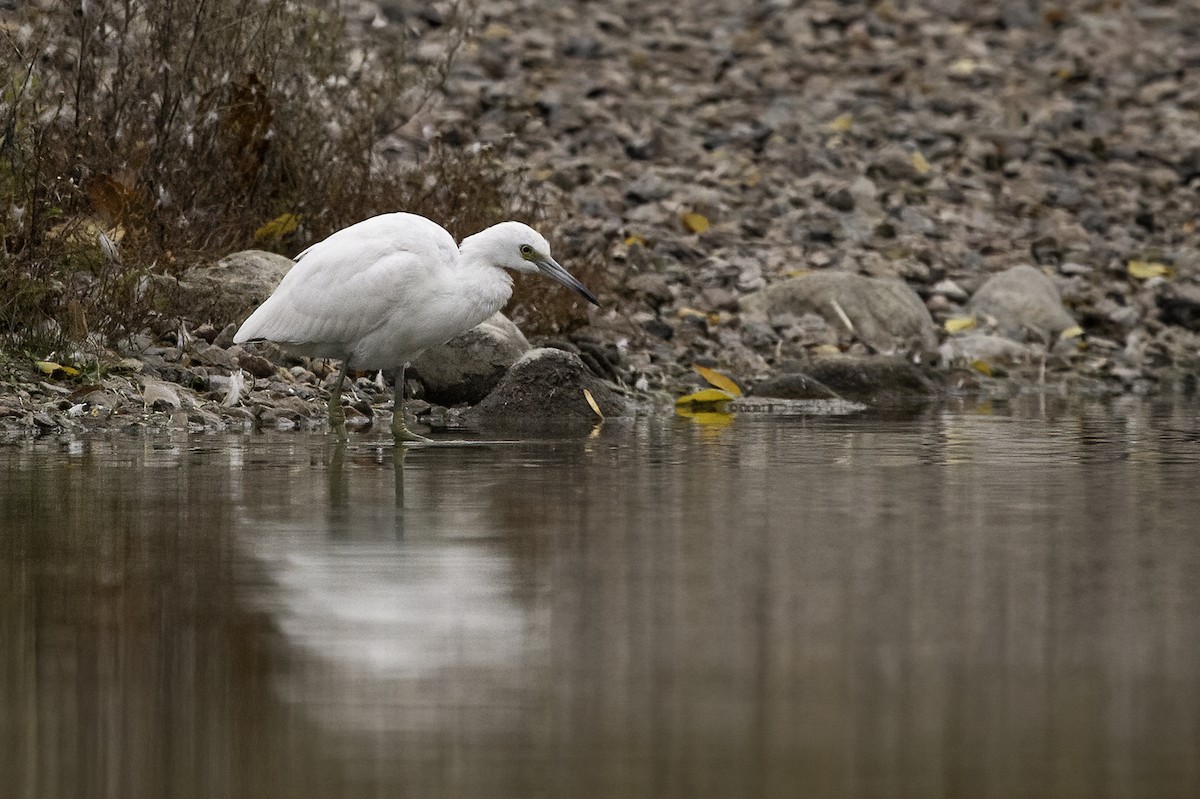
x,y
873,380
470,365
1024,303
886,315
546,385
793,385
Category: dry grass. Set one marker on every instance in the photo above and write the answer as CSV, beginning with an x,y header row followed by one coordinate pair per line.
x,y
139,138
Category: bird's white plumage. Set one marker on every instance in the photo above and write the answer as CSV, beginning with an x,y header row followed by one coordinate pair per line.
x,y
376,294
380,292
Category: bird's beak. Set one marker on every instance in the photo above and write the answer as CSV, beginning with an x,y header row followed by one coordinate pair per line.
x,y
552,269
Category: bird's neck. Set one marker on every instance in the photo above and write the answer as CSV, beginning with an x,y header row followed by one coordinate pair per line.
x,y
490,285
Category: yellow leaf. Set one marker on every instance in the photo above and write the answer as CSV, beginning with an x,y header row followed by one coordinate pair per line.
x,y
920,164
826,349
587,395
843,123
277,228
982,367
1144,270
957,323
713,419
1074,331
797,272
719,380
51,368
695,223
634,239
708,396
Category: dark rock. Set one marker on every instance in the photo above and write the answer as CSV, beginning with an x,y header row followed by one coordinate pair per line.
x,y
253,363
546,385
793,385
873,380
212,356
1180,305
840,200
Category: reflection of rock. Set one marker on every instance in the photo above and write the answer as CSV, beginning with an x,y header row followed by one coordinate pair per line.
x,y
886,314
547,385
872,380
229,291
470,365
1024,303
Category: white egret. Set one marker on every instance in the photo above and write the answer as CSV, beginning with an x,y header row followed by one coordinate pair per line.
x,y
378,293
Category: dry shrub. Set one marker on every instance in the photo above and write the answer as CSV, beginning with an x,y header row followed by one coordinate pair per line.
x,y
139,137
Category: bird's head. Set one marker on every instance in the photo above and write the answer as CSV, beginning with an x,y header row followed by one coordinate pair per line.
x,y
516,246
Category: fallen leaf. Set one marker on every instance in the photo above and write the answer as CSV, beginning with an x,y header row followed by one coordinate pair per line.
x,y
920,164
51,368
587,395
719,380
634,239
982,367
842,123
957,323
705,397
826,349
1074,331
695,223
1144,270
277,228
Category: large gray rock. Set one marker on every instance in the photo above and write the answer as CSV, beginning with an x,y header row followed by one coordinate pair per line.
x,y
546,385
470,365
230,290
887,315
1024,304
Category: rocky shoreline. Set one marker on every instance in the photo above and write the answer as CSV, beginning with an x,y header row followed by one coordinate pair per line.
x,y
882,201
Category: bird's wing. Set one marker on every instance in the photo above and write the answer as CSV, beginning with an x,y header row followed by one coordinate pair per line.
x,y
347,286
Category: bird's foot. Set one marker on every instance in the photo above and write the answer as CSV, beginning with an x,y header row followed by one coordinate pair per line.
x,y
403,435
337,421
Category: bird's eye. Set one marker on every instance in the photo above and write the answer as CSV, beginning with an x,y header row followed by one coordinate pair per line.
x,y
526,250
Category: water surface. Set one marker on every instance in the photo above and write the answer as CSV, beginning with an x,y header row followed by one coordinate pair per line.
x,y
999,600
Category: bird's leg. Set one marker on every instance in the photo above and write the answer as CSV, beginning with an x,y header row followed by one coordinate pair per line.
x,y
337,417
400,431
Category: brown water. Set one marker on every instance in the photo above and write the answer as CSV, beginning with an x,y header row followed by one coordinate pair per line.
x,y
994,601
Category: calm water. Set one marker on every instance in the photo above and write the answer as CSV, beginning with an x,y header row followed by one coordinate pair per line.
x,y
974,602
